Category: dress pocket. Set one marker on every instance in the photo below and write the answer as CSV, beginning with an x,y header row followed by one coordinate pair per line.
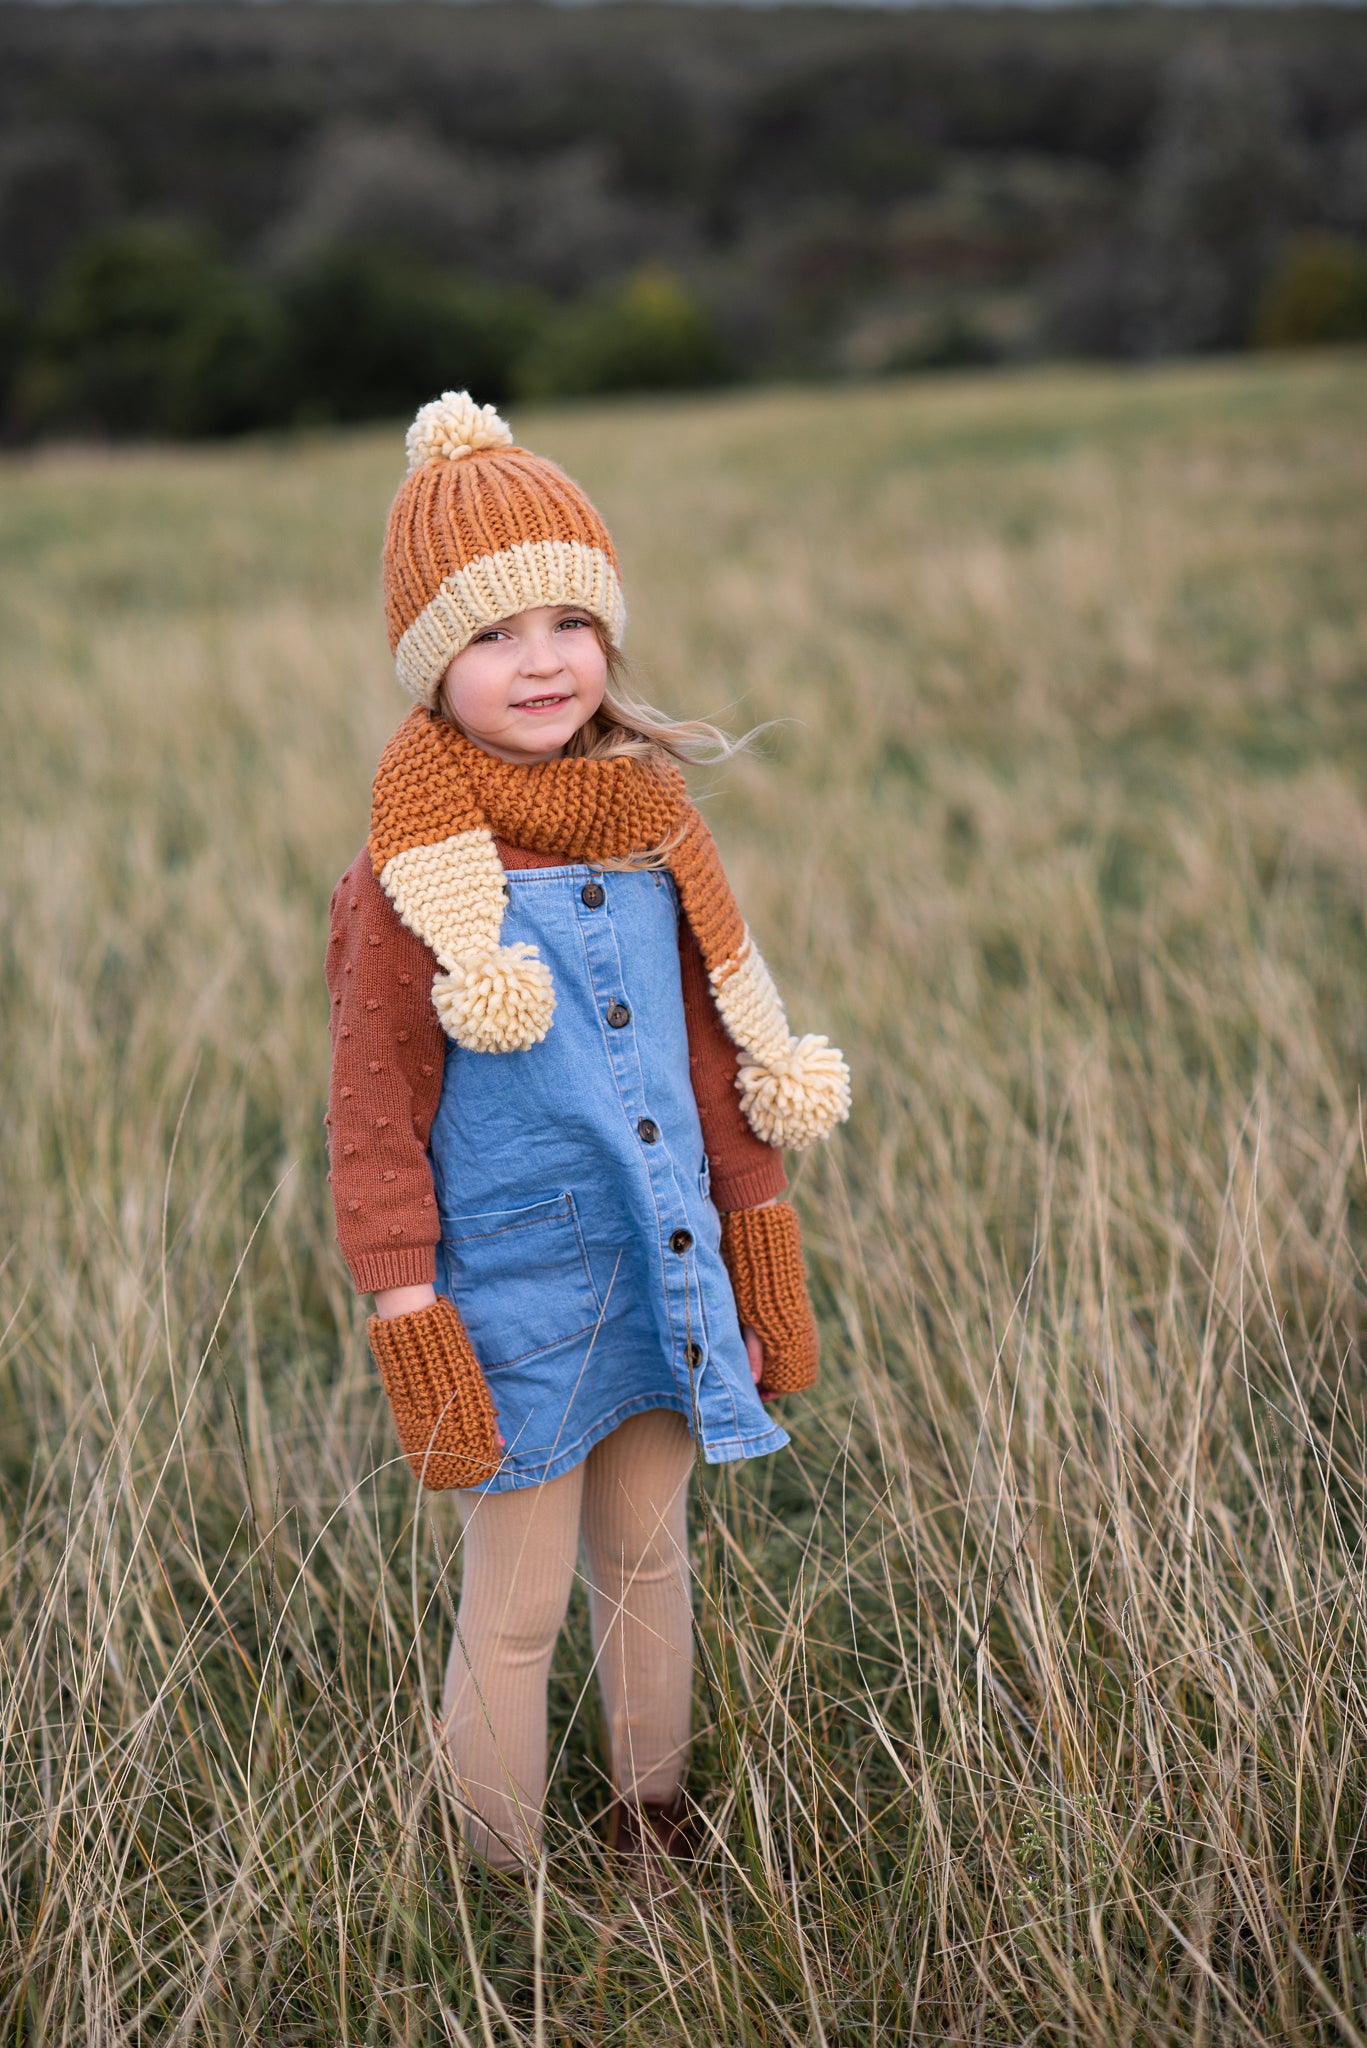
x,y
521,1279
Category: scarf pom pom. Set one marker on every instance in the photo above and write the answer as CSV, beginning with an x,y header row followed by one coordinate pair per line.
x,y
496,1001
798,1099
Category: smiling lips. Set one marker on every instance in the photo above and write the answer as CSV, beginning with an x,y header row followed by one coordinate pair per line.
x,y
541,703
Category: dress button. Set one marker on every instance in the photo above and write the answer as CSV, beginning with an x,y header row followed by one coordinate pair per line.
x,y
693,1354
594,895
618,1015
648,1131
681,1241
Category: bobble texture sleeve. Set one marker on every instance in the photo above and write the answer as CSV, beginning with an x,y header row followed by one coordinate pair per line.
x,y
745,1171
388,1054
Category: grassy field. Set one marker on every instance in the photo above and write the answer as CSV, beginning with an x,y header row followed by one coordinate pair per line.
x,y
1035,1694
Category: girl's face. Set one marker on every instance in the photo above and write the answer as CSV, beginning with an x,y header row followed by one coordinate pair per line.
x,y
524,687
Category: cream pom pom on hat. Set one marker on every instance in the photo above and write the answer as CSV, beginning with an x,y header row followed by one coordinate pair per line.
x,y
481,529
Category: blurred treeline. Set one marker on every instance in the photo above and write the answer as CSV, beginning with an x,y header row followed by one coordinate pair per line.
x,y
220,216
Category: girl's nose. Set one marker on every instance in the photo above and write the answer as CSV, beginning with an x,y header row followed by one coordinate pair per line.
x,y
541,656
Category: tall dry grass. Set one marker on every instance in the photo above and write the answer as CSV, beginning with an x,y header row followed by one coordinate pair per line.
x,y
1034,1694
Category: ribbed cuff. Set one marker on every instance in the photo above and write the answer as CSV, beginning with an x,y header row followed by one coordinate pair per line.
x,y
749,1190
763,1253
410,1265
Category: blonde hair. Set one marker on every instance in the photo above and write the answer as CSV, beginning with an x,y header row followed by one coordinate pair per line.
x,y
625,724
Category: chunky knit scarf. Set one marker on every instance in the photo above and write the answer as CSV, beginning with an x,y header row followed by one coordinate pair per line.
x,y
439,802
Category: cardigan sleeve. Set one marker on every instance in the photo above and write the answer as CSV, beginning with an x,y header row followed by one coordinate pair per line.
x,y
745,1171
388,1053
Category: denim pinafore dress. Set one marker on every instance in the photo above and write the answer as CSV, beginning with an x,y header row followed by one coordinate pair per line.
x,y
578,1239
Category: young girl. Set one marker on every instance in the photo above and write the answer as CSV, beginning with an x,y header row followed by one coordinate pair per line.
x,y
561,1077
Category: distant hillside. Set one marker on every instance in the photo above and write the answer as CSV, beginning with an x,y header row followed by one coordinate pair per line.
x,y
590,197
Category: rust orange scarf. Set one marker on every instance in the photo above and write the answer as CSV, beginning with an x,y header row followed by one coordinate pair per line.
x,y
437,805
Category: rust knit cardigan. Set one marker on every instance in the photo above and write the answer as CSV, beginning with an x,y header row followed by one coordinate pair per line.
x,y
388,1059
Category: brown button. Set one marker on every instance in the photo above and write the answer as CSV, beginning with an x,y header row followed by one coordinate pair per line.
x,y
648,1131
618,1015
593,895
681,1241
693,1354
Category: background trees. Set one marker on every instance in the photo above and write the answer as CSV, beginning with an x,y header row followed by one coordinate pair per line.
x,y
215,215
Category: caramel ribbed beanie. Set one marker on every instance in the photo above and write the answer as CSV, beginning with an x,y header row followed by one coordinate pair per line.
x,y
479,530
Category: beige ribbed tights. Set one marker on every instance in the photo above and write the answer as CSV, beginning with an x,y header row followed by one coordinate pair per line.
x,y
628,1501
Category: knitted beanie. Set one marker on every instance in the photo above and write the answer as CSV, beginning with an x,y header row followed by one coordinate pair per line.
x,y
480,530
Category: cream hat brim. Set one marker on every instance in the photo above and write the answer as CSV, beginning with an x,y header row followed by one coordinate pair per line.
x,y
498,586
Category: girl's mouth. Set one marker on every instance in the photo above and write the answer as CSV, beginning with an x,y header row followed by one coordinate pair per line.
x,y
540,703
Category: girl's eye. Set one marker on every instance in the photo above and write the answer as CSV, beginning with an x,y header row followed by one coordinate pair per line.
x,y
575,622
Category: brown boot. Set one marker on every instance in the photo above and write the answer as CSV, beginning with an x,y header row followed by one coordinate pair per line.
x,y
651,1838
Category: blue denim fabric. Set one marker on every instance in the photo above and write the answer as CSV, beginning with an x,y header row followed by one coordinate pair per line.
x,y
559,1213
